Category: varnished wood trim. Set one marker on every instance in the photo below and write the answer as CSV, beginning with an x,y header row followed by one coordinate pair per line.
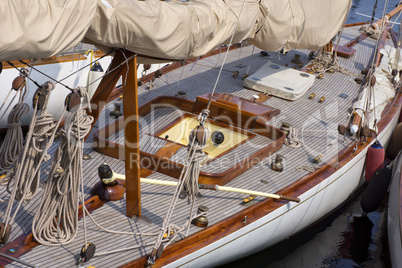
x,y
356,40
394,36
381,45
260,209
131,136
107,84
355,24
176,65
54,59
173,169
25,242
218,123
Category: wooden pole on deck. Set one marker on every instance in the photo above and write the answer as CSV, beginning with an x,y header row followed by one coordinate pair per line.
x,y
108,83
131,139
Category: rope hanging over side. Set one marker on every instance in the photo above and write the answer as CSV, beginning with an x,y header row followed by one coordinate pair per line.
x,y
56,221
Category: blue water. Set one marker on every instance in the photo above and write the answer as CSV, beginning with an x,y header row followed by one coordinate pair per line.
x,y
345,238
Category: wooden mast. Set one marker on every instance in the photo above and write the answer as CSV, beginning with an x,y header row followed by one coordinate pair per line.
x,y
130,109
131,139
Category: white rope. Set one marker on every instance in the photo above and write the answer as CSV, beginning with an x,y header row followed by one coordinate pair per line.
x,y
188,185
226,54
325,63
292,140
371,95
14,141
190,180
310,169
373,33
27,182
56,222
116,232
26,173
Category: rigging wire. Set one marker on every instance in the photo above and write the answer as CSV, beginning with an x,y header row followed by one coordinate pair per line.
x,y
371,91
89,64
55,80
25,178
224,60
115,68
33,81
373,15
48,76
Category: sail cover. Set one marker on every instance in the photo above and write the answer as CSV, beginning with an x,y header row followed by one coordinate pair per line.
x,y
308,24
42,28
172,30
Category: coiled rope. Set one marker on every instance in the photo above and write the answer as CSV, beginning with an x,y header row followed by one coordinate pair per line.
x,y
38,141
324,63
188,186
24,177
190,180
14,140
56,221
292,140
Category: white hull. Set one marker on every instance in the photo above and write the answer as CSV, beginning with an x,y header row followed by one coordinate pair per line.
x,y
289,218
394,230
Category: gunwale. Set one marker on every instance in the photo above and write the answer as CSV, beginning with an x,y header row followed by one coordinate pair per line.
x,y
180,248
253,213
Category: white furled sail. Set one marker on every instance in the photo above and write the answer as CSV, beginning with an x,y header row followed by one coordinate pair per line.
x,y
171,30
42,28
375,101
308,24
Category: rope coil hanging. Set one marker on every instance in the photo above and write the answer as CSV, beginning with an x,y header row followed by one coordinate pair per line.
x,y
56,221
198,137
24,177
14,140
39,139
188,186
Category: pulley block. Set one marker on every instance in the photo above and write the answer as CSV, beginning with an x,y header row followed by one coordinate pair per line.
x,y
18,83
41,95
4,232
88,253
72,102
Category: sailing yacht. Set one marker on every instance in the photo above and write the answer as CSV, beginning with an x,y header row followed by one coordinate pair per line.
x,y
259,128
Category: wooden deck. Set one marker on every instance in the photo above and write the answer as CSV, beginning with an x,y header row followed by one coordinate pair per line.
x,y
318,120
